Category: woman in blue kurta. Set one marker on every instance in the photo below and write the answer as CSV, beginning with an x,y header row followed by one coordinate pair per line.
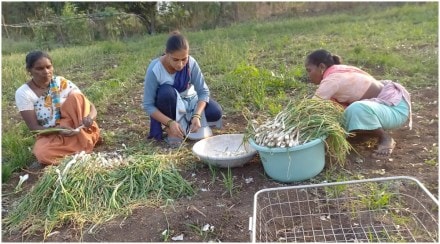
x,y
176,95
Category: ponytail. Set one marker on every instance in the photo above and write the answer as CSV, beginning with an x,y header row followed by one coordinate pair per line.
x,y
176,42
337,59
322,56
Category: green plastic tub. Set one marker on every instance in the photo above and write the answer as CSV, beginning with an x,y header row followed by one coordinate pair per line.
x,y
291,164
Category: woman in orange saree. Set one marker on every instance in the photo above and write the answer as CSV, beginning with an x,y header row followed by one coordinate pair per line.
x,y
48,101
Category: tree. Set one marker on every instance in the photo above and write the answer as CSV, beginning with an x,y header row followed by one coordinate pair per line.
x,y
146,11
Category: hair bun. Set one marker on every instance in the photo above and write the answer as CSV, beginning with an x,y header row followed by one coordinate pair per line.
x,y
175,33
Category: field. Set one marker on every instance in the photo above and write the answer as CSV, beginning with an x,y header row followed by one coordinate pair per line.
x,y
258,66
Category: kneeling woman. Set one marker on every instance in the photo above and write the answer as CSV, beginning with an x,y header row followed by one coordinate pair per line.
x,y
371,105
175,90
47,101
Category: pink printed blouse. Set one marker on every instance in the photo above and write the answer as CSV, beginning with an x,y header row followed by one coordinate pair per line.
x,y
343,83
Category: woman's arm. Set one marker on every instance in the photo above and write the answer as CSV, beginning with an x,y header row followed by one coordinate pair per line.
x,y
88,120
195,120
203,93
198,80
25,99
151,85
30,118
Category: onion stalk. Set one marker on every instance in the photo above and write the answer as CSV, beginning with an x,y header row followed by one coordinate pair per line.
x,y
303,121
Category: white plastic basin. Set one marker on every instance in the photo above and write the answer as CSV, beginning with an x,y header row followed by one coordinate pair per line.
x,y
228,150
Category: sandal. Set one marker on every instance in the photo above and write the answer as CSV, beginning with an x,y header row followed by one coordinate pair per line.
x,y
173,142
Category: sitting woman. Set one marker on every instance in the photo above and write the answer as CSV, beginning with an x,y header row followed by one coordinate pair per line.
x,y
47,101
175,90
371,105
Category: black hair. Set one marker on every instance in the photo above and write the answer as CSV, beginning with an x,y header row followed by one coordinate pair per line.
x,y
34,56
176,42
322,56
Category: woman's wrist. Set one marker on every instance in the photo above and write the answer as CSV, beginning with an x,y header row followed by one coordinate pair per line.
x,y
169,122
196,116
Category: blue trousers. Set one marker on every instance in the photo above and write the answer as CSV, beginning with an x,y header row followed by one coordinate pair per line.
x,y
166,101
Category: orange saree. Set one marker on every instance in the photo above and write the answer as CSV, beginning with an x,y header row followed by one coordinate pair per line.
x,y
49,149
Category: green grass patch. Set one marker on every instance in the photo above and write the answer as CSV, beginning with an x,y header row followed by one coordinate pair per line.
x,y
18,153
378,197
255,65
433,156
256,88
228,181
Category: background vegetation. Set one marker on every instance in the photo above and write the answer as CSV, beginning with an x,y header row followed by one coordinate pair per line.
x,y
54,24
254,64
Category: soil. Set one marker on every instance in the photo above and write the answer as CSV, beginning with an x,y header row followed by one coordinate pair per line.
x,y
416,155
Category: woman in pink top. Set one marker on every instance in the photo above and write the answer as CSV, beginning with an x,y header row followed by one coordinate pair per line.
x,y
370,105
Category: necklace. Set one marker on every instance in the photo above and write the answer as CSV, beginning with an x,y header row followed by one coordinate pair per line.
x,y
35,83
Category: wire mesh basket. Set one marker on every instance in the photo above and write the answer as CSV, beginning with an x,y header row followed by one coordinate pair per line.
x,y
392,209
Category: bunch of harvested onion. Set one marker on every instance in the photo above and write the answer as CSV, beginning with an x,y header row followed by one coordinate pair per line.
x,y
55,130
303,121
94,188
49,131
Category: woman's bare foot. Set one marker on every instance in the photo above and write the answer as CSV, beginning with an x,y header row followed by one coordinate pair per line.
x,y
36,166
384,149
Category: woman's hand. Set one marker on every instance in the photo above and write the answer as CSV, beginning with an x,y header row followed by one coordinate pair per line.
x,y
195,124
175,130
68,132
87,121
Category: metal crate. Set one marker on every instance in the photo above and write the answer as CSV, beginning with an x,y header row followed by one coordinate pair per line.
x,y
393,209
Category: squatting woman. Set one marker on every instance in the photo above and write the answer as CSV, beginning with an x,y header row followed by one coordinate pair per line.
x,y
176,96
370,105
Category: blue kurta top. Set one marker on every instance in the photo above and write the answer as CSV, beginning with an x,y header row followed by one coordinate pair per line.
x,y
157,75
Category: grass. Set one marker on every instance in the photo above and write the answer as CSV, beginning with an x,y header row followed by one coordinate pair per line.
x,y
238,61
228,181
19,153
258,87
206,234
378,197
433,156
336,191
213,170
166,234
255,65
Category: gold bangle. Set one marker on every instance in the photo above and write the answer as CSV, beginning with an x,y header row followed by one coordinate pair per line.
x,y
196,116
169,122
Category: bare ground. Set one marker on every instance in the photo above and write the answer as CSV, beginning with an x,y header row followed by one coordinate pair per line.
x,y
416,155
